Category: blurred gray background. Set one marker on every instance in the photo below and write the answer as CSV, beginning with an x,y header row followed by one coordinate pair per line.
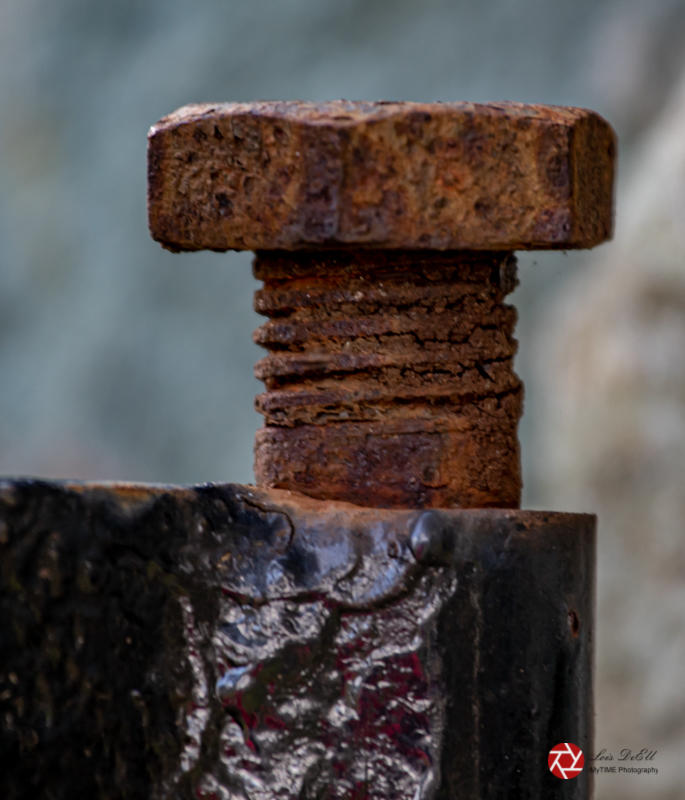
x,y
121,361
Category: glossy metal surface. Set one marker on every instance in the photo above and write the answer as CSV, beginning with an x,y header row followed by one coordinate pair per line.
x,y
227,642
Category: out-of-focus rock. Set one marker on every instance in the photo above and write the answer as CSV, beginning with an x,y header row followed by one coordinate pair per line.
x,y
635,58
615,432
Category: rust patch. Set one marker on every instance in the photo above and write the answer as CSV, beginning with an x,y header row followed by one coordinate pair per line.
x,y
435,176
389,378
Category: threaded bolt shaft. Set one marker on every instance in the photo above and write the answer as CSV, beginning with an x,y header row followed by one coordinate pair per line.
x,y
389,378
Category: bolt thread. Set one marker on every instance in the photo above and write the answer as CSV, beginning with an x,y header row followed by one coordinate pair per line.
x,y
389,377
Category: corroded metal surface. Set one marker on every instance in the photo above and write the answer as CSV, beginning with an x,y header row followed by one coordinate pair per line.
x,y
227,642
389,379
291,175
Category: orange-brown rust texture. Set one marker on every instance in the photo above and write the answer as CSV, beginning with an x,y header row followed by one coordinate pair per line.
x,y
389,378
435,176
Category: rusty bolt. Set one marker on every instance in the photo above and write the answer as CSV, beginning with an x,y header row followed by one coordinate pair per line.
x,y
384,235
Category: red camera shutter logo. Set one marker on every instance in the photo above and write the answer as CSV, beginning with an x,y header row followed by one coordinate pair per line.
x,y
566,760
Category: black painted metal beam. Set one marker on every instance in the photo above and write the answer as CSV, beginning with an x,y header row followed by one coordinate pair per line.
x,y
228,642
